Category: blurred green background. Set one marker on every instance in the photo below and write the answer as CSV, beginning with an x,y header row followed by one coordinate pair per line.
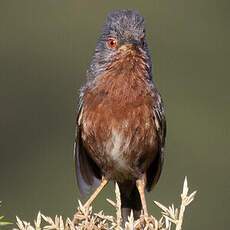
x,y
45,48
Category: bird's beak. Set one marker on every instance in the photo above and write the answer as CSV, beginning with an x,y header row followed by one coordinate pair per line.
x,y
129,47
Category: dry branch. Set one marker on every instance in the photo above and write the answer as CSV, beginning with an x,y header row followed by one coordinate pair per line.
x,y
172,218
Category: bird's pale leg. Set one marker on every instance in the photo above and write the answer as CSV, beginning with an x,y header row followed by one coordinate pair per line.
x,y
140,183
104,182
86,206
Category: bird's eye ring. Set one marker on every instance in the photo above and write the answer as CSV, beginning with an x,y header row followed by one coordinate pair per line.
x,y
112,43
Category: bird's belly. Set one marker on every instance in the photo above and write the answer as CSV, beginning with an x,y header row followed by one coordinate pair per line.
x,y
117,151
122,144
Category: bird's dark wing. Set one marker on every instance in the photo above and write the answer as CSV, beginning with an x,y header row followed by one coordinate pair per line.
x,y
154,170
87,172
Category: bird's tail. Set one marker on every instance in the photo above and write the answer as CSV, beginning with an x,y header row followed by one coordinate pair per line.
x,y
130,200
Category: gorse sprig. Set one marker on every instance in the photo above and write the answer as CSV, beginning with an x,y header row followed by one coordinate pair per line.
x,y
2,220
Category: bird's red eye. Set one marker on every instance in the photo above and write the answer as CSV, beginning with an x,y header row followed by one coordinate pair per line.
x,y
112,43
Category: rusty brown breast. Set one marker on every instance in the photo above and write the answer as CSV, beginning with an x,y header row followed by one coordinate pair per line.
x,y
117,120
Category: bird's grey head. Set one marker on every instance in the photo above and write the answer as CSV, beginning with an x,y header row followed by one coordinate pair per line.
x,y
123,30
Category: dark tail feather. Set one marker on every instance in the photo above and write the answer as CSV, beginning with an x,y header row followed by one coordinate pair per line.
x,y
130,200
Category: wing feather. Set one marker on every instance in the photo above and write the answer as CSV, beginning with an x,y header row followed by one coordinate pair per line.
x,y
155,168
88,174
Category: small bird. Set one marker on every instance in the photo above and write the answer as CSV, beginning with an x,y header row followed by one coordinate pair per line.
x,y
121,126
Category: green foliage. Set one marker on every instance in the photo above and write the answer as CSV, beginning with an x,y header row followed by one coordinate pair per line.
x,y
2,221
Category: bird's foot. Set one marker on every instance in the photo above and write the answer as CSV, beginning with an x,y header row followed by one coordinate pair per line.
x,y
144,220
82,213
